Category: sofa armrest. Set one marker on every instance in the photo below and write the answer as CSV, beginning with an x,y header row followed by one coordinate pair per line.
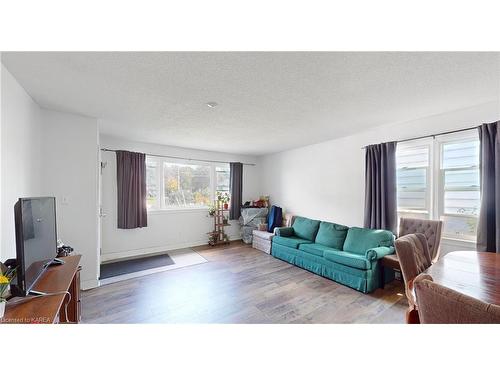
x,y
377,253
284,231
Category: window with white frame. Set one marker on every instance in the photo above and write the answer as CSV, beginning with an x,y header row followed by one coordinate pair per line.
x,y
177,184
459,194
439,179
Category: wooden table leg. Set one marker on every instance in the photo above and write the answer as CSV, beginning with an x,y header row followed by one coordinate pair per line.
x,y
412,316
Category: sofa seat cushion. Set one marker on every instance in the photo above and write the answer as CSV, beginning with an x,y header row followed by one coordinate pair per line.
x,y
331,235
314,248
348,259
359,240
305,228
292,241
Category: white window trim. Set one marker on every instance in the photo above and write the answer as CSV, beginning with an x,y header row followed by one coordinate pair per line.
x,y
436,183
160,208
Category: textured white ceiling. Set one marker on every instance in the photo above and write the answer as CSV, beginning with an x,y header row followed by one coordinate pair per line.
x,y
268,101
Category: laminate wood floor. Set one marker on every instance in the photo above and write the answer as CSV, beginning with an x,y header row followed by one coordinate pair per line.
x,y
239,284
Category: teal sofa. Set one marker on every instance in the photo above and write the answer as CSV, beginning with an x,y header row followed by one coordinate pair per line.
x,y
349,256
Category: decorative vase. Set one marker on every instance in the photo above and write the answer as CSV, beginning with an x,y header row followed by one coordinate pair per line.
x,y
2,308
226,206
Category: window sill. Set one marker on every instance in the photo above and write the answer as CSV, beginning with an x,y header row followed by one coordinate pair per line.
x,y
457,239
167,211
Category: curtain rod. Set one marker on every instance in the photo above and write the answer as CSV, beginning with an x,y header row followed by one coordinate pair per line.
x,y
178,157
433,135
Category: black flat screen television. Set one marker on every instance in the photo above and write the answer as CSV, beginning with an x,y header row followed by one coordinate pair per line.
x,y
36,240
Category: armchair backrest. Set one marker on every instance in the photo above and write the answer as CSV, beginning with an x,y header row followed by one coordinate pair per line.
x,y
431,229
438,304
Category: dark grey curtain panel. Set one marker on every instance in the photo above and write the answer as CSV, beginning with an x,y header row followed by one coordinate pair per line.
x,y
236,187
131,181
488,231
380,187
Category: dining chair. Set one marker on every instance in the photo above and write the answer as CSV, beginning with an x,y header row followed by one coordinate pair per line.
x,y
438,304
414,258
431,229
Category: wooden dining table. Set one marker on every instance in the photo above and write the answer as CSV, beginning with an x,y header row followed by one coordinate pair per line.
x,y
476,274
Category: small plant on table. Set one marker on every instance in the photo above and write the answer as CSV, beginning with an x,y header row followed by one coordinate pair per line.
x,y
6,276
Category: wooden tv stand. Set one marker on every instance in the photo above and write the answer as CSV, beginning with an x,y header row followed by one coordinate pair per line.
x,y
51,308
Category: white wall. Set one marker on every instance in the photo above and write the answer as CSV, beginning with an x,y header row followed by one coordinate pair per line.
x,y
70,168
48,153
326,180
1,74
20,155
166,229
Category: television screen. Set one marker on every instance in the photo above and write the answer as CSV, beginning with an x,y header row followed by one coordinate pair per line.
x,y
36,239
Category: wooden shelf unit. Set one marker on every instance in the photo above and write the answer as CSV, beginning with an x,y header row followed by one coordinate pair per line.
x,y
218,232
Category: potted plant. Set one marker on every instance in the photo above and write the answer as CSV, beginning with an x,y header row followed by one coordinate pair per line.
x,y
224,198
226,237
6,275
212,239
211,210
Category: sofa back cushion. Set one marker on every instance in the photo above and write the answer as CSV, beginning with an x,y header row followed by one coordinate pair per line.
x,y
331,235
359,240
305,228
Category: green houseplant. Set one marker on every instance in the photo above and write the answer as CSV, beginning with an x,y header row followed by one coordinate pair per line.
x,y
224,198
211,210
212,239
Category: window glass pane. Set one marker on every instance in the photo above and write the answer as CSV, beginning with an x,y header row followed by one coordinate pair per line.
x,y
460,154
461,202
222,178
186,185
412,200
413,157
459,226
412,178
461,179
152,188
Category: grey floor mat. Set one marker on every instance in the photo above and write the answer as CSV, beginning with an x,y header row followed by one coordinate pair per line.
x,y
134,265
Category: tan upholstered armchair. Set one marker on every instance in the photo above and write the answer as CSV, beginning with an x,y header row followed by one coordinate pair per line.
x,y
431,229
438,304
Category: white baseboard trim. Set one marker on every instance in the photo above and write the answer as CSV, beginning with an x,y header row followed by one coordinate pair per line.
x,y
89,284
105,257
